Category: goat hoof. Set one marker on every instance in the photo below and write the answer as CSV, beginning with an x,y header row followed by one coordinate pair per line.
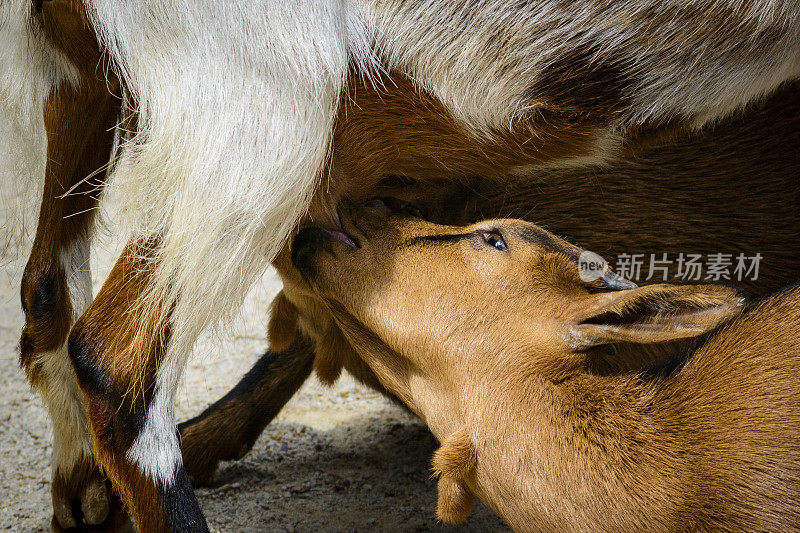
x,y
84,501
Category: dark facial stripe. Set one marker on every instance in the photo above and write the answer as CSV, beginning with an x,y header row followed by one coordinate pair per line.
x,y
546,240
445,238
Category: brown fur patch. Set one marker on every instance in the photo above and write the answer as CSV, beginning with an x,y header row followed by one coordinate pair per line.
x,y
64,22
453,463
399,130
282,328
331,350
642,137
79,124
124,342
585,82
116,351
142,499
47,314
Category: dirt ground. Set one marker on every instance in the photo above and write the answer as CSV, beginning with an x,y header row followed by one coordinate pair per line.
x,y
336,459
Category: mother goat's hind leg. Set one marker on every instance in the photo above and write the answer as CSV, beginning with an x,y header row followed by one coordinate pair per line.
x,y
56,289
228,429
128,374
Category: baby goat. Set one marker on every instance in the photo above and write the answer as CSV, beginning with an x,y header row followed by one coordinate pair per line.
x,y
489,334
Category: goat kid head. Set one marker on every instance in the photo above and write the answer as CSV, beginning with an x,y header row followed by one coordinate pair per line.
x,y
416,298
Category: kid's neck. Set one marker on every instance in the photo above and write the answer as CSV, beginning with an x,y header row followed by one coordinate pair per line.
x,y
533,437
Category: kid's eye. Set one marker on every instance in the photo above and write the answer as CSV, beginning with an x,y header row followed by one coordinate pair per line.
x,y
495,240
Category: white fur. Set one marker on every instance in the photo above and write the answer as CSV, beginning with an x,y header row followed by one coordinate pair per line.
x,y
236,103
22,163
72,439
29,65
156,450
75,260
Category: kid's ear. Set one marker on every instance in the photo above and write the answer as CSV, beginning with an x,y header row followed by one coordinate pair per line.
x,y
651,314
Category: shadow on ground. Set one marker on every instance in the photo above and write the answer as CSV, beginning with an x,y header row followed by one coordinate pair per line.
x,y
363,475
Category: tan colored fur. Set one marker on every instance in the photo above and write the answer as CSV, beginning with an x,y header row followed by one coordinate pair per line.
x,y
455,502
746,164
453,464
493,349
282,323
